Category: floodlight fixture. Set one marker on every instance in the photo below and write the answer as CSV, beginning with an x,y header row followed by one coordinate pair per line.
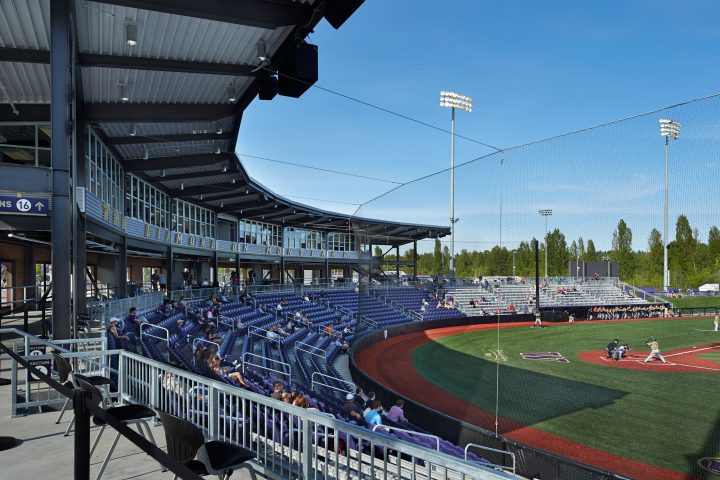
x,y
217,126
456,100
218,151
231,93
182,186
131,34
132,131
669,128
146,155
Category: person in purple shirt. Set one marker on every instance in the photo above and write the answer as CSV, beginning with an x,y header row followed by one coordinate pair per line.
x,y
396,413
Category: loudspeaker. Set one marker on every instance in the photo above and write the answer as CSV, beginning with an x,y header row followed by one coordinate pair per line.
x,y
268,87
338,11
298,71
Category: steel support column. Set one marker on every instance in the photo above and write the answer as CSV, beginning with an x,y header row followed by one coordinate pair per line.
x,y
169,269
121,274
397,262
60,158
414,260
29,274
79,227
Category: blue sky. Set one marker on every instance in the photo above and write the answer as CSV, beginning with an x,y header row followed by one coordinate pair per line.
x,y
535,69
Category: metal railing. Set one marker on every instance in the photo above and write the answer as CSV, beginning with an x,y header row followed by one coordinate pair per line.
x,y
494,450
101,312
339,381
289,442
286,371
388,428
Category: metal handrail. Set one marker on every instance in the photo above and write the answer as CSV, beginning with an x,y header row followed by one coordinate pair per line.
x,y
312,347
503,452
244,362
313,382
202,340
412,432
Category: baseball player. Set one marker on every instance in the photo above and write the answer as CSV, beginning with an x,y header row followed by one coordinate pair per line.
x,y
654,350
717,322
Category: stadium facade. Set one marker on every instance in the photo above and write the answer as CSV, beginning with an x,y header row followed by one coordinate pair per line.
x,y
143,102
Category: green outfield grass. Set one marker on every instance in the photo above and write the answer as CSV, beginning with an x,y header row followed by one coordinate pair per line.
x,y
662,418
689,302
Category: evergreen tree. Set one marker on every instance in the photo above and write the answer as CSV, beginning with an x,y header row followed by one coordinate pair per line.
x,y
557,253
581,248
590,253
622,250
655,255
685,245
714,246
437,258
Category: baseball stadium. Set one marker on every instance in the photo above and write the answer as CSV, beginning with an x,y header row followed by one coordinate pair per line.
x,y
234,243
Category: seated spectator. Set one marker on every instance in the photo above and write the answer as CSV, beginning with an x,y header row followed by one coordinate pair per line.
x,y
372,416
122,341
277,390
225,372
272,336
165,309
351,409
360,397
396,413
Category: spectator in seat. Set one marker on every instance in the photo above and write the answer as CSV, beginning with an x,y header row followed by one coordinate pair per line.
x,y
396,413
165,309
372,416
360,397
277,390
351,409
122,341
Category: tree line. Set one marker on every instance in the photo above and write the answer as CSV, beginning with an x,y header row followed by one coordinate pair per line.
x,y
691,262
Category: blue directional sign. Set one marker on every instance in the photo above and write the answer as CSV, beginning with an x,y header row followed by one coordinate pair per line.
x,y
23,205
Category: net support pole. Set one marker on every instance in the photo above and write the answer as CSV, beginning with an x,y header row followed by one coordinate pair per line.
x,y
537,276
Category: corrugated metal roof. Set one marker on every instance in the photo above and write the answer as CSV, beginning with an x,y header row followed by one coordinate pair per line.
x,y
25,82
171,148
102,85
101,30
153,129
25,24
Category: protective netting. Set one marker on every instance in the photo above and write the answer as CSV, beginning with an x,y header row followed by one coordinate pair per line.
x,y
605,188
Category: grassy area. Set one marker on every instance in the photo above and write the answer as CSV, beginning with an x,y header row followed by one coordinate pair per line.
x,y
688,302
660,418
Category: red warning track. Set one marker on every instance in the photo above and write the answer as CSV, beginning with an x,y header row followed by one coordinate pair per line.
x,y
390,363
685,360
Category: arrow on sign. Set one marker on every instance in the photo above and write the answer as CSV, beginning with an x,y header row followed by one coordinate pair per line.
x,y
39,206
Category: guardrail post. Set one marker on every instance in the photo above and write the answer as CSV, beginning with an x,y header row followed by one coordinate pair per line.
x,y
213,413
306,454
82,435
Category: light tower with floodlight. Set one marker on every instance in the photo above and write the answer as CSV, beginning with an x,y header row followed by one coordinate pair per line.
x,y
668,129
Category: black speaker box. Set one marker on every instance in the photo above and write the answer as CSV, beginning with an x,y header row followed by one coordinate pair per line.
x,y
268,87
338,11
299,71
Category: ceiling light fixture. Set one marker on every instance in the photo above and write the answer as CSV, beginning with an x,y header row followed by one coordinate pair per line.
x,y
231,93
124,97
131,34
262,51
182,186
146,155
218,128
132,131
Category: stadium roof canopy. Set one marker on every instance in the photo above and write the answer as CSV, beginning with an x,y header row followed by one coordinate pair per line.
x,y
170,106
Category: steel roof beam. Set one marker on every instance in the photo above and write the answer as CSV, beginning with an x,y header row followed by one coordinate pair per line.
x,y
155,112
28,112
255,13
183,137
24,55
179,161
166,65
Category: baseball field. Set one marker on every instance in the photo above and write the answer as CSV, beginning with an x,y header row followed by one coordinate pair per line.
x,y
558,391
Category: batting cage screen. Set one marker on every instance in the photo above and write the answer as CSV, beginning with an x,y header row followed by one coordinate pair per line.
x,y
611,357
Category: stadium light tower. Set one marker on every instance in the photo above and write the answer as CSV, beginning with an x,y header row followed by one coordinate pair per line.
x,y
668,128
546,212
453,100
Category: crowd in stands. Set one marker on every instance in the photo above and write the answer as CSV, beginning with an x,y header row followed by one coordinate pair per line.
x,y
200,342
